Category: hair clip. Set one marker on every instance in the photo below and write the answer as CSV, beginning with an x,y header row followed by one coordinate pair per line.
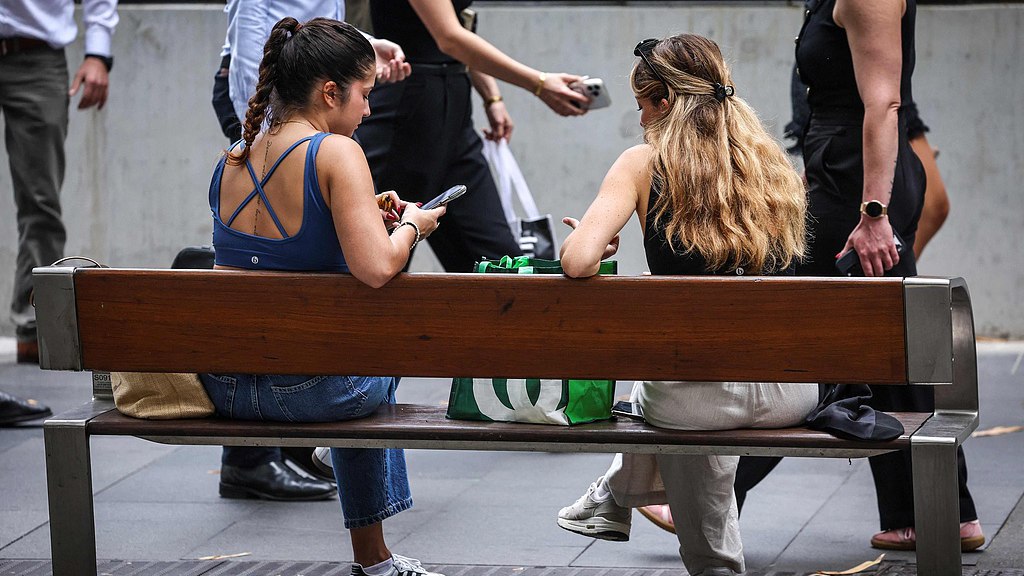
x,y
723,92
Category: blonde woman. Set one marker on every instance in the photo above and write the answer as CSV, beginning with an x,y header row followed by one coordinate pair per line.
x,y
714,194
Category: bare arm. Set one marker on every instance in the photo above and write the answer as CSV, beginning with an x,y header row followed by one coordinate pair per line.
x,y
617,200
873,30
497,114
372,255
443,24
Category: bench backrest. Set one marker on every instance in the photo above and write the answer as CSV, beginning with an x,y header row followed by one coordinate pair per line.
x,y
873,331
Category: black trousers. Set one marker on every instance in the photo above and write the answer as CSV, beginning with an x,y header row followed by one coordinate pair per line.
x,y
419,140
833,161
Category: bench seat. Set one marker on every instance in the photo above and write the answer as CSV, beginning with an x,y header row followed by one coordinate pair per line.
x,y
419,426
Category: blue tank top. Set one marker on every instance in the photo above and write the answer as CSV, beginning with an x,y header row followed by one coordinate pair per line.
x,y
314,248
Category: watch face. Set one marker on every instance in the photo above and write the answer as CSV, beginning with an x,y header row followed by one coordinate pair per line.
x,y
873,208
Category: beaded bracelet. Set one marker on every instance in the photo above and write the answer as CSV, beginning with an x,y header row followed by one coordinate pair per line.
x,y
415,228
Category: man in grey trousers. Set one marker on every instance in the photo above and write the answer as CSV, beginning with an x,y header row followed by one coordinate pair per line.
x,y
34,98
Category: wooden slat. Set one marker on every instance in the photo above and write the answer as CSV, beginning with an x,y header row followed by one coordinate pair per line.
x,y
659,328
406,422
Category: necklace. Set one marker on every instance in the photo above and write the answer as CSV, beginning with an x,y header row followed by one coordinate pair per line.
x,y
303,122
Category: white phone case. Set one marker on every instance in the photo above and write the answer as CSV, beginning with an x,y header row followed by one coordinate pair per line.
x,y
595,89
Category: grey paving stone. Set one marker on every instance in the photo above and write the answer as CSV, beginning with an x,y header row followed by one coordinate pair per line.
x,y
151,472
17,523
265,540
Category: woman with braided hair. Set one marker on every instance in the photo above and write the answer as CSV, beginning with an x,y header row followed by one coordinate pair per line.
x,y
715,195
314,210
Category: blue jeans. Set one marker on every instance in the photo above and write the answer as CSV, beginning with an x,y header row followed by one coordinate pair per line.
x,y
372,482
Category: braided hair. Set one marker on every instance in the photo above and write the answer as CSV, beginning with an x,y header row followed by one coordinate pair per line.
x,y
295,58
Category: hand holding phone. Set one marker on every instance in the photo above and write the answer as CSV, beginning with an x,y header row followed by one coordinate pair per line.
x,y
445,197
849,264
594,89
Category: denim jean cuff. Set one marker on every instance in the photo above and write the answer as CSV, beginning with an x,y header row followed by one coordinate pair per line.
x,y
388,511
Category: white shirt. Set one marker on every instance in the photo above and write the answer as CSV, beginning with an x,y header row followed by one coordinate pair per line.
x,y
53,21
249,25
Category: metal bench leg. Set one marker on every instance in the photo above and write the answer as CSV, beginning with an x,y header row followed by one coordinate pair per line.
x,y
936,506
69,490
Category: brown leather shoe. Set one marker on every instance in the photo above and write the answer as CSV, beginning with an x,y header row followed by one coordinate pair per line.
x,y
28,352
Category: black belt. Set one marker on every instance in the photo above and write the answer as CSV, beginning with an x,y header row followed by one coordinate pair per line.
x,y
17,44
442,69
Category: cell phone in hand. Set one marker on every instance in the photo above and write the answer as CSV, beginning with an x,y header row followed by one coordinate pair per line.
x,y
630,410
445,197
849,264
593,88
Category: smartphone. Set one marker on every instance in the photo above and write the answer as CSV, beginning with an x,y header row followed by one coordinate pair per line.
x,y
628,410
445,197
595,89
849,263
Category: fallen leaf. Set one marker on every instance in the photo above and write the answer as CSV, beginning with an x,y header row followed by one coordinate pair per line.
x,y
855,570
224,556
997,431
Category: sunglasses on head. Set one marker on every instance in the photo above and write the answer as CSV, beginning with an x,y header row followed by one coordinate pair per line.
x,y
644,48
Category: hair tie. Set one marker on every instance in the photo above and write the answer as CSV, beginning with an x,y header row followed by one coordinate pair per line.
x,y
723,92
298,26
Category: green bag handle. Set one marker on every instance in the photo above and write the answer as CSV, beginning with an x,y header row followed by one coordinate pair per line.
x,y
527,265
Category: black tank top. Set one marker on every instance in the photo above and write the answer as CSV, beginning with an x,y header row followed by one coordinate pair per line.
x,y
826,66
661,260
397,21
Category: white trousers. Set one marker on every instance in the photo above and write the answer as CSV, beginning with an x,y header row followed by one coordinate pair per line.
x,y
698,488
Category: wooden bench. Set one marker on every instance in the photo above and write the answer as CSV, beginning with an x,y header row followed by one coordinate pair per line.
x,y
871,331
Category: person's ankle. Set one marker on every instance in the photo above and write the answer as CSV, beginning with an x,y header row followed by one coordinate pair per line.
x,y
378,568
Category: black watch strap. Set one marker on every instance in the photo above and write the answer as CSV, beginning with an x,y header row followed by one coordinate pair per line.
x,y
108,61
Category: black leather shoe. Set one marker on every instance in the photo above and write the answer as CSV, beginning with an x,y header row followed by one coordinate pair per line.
x,y
302,458
14,409
272,481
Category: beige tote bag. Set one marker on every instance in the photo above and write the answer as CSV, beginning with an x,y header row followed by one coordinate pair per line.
x,y
160,396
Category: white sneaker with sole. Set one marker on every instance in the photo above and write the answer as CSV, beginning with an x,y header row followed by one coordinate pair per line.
x,y
322,460
402,566
603,520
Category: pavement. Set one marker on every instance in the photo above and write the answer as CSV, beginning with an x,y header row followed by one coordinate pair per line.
x,y
476,513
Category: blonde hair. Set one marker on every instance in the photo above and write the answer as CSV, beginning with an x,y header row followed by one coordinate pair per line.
x,y
728,192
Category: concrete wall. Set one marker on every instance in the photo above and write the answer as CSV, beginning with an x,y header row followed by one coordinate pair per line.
x,y
138,171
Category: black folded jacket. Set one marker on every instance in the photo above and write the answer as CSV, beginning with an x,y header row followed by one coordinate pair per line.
x,y
844,413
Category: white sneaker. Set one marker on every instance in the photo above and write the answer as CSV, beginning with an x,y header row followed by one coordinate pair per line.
x,y
401,566
603,520
322,460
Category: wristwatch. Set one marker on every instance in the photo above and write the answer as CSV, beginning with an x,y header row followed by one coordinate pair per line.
x,y
873,209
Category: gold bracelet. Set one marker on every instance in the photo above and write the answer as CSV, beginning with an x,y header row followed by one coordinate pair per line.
x,y
540,84
492,100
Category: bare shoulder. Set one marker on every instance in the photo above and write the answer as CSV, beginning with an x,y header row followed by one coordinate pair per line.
x,y
341,166
634,165
865,13
637,156
336,148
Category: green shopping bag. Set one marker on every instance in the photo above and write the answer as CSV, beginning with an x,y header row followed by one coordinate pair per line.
x,y
531,400
527,265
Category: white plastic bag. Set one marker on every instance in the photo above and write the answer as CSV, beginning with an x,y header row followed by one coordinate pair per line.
x,y
535,232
